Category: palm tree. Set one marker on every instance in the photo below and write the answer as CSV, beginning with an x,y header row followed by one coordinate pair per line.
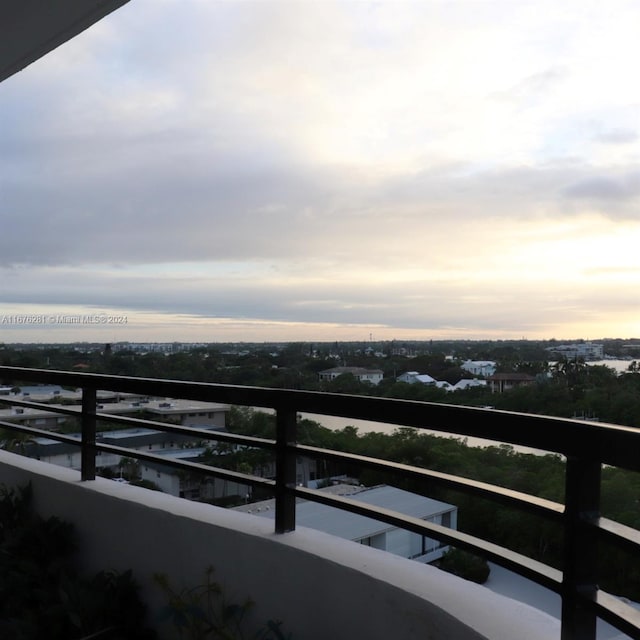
x,y
571,370
16,441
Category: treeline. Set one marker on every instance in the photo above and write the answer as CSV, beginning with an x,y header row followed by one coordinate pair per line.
x,y
570,389
539,475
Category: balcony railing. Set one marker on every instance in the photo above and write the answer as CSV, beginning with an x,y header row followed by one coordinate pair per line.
x,y
586,446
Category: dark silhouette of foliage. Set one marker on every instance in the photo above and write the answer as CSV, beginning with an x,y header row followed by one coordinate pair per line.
x,y
465,565
205,612
42,594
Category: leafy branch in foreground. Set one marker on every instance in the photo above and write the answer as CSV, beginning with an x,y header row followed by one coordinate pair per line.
x,y
42,594
204,612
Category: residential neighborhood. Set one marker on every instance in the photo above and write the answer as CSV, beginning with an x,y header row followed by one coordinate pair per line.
x,y
368,531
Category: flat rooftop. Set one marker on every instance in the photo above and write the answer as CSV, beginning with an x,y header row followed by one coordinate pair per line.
x,y
350,525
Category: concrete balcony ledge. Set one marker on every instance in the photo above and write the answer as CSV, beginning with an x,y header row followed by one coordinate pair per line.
x,y
318,585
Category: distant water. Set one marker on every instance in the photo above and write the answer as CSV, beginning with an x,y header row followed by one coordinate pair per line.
x,y
337,423
620,366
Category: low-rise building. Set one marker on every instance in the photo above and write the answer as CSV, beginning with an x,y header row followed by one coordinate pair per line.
x,y
200,487
369,531
208,416
413,377
578,351
374,376
504,381
188,413
479,367
139,439
55,394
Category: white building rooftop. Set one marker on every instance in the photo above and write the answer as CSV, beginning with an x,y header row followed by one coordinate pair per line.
x,y
350,525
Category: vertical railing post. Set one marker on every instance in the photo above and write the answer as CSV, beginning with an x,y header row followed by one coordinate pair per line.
x,y
582,507
285,470
88,427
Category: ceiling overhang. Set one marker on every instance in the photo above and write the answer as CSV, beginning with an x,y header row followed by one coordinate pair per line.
x,y
29,29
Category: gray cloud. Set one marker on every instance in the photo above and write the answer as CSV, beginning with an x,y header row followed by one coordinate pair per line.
x,y
533,89
618,136
616,188
151,201
435,305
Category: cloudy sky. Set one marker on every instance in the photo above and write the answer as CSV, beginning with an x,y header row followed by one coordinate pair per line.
x,y
316,170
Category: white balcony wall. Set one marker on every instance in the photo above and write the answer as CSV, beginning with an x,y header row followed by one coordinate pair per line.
x,y
319,585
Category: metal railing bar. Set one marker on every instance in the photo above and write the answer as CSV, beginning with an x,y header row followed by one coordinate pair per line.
x,y
249,441
579,550
496,493
539,572
88,426
52,408
188,390
618,534
41,433
134,453
558,435
617,613
195,467
141,422
286,426
615,444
